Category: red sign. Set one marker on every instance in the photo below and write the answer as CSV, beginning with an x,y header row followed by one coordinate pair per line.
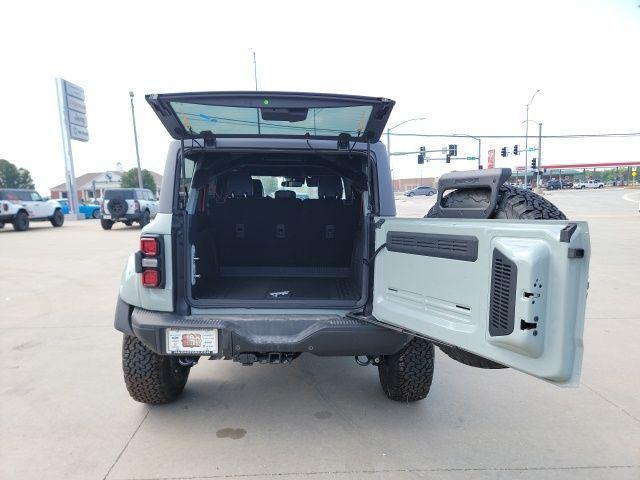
x,y
491,162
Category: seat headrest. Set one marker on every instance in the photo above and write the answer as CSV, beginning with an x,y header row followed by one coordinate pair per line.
x,y
258,189
285,194
239,185
330,186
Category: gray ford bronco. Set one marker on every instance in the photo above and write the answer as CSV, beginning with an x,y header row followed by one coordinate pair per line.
x,y
277,235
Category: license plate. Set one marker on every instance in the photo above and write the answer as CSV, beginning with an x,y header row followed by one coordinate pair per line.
x,y
107,217
197,341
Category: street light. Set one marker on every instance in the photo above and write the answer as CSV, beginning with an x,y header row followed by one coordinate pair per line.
x,y
135,137
526,138
396,126
475,138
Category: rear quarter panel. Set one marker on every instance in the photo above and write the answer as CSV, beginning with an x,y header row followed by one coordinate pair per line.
x,y
131,289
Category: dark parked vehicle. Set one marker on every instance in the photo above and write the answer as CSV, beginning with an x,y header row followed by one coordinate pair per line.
x,y
428,191
555,185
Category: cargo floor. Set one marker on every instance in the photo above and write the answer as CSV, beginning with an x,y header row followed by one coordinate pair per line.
x,y
265,288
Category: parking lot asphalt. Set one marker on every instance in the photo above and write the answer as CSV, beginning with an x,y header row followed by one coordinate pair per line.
x,y
65,413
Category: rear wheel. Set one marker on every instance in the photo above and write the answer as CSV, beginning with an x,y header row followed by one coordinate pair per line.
x,y
151,378
106,224
21,221
406,376
513,203
57,220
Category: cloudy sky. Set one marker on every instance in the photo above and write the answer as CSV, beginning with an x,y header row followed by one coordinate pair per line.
x,y
466,66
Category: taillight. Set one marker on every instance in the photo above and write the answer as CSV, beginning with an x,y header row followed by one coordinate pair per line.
x,y
5,206
149,246
150,278
150,262
102,206
136,205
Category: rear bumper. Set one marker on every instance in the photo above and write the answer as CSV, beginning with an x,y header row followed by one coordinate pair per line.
x,y
130,217
323,335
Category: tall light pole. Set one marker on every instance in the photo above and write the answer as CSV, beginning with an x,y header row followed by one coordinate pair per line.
x,y
135,137
479,145
396,126
526,139
255,70
539,147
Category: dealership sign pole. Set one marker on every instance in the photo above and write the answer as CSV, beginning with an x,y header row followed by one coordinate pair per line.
x,y
73,126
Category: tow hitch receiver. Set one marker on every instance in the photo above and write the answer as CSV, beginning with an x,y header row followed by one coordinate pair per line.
x,y
271,357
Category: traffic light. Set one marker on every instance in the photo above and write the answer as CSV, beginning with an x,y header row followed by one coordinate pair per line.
x,y
534,162
448,160
515,150
453,150
503,152
421,155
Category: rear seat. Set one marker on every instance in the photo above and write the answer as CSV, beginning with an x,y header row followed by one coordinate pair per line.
x,y
329,225
283,231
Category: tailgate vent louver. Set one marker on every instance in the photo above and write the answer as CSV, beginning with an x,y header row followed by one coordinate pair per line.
x,y
454,247
502,305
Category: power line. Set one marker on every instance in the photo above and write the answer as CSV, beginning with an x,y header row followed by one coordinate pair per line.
x,y
573,135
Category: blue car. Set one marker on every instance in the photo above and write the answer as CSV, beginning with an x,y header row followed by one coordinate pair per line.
x,y
89,211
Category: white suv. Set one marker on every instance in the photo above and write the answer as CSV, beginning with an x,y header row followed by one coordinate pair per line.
x,y
20,206
128,205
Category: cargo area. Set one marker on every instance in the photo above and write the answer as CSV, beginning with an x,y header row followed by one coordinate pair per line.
x,y
281,231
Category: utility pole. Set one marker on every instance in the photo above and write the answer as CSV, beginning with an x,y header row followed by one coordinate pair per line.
x,y
135,138
540,155
255,70
526,139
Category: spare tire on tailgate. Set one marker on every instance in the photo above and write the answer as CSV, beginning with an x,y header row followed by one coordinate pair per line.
x,y
513,203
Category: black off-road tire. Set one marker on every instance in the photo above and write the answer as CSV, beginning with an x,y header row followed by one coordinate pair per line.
x,y
57,219
406,376
146,218
106,224
21,221
513,203
151,378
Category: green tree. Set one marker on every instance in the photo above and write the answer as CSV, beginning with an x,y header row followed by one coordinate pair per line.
x,y
13,177
130,179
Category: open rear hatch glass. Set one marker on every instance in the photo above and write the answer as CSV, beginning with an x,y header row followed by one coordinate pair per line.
x,y
272,114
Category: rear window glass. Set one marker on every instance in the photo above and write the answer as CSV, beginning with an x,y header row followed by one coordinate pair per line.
x,y
224,120
271,185
124,194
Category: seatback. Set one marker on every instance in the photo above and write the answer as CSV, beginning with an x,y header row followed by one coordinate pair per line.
x,y
284,230
329,225
237,222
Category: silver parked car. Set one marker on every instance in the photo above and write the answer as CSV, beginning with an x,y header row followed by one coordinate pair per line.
x,y
428,191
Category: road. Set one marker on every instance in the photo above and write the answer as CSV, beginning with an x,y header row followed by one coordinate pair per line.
x,y
65,414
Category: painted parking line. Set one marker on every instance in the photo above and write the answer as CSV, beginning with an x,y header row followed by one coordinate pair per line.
x,y
632,197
